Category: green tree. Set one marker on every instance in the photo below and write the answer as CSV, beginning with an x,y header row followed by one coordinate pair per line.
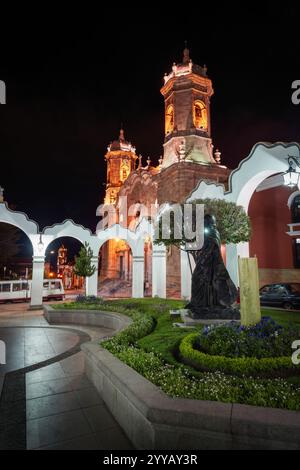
x,y
83,263
233,223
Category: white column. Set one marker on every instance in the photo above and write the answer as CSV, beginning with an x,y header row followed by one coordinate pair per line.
x,y
232,254
38,263
159,271
92,281
186,275
137,276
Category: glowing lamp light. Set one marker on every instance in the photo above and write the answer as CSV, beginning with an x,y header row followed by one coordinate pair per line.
x,y
40,244
291,178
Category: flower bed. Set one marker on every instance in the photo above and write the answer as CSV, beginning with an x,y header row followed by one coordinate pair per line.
x,y
241,366
239,350
180,381
266,339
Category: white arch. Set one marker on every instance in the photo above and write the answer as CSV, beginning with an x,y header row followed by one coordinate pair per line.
x,y
291,198
68,228
20,220
263,161
31,229
133,238
207,189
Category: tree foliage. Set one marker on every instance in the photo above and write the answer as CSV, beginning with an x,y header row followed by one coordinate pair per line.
x,y
232,221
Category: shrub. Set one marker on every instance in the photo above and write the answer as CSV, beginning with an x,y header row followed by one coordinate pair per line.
x,y
177,381
89,299
266,339
142,325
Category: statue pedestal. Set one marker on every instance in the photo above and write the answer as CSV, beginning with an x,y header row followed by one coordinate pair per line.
x,y
188,321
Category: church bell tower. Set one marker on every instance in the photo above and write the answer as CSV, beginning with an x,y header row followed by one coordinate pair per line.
x,y
121,161
187,91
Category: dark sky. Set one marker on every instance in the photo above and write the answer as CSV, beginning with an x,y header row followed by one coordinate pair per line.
x,y
72,79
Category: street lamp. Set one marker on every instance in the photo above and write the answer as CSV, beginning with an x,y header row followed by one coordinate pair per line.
x,y
52,252
291,176
40,244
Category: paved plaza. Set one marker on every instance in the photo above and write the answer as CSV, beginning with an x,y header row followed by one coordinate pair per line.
x,y
47,402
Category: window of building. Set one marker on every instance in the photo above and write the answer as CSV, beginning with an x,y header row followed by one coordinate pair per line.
x,y
169,123
295,210
295,216
200,115
296,254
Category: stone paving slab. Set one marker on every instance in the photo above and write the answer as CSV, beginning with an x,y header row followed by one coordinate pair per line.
x,y
54,429
55,386
87,442
54,401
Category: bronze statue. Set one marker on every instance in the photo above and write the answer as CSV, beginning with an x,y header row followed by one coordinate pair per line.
x,y
213,292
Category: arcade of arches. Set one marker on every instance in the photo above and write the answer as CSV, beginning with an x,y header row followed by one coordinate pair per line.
x,y
188,169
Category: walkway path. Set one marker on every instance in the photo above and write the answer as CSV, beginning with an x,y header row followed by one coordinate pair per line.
x,y
47,402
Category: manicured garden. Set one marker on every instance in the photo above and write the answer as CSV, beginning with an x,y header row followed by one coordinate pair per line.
x,y
228,364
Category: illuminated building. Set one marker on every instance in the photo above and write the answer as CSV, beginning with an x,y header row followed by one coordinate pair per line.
x,y
187,158
65,270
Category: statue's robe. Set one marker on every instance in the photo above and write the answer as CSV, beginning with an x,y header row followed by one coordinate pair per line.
x,y
211,283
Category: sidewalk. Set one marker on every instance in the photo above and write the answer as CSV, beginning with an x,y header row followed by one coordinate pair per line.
x,y
47,402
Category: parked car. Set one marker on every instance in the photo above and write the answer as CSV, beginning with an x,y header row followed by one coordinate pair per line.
x,y
285,295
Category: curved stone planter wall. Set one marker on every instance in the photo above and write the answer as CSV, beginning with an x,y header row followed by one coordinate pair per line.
x,y
112,320
153,420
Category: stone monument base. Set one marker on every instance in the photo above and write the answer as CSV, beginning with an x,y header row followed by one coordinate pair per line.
x,y
216,312
189,321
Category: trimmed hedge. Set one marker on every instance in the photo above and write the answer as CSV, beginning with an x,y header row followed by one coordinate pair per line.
x,y
142,326
278,366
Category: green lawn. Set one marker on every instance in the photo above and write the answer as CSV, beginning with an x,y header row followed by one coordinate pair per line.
x,y
283,317
165,337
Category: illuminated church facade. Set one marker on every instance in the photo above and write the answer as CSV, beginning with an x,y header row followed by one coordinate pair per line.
x,y
188,158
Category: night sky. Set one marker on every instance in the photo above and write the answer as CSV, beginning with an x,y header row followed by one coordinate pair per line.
x,y
71,80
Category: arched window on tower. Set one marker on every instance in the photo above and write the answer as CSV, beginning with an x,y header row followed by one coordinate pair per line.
x,y
200,115
169,123
124,170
